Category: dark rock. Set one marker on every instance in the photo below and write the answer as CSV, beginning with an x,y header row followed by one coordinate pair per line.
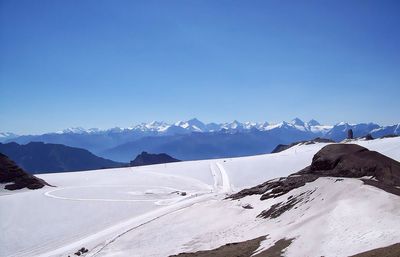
x,y
334,160
390,136
247,206
11,173
387,251
148,159
282,147
81,251
278,209
235,249
276,187
243,249
354,161
369,137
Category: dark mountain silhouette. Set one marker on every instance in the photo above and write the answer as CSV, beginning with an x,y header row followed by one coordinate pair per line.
x,y
38,157
147,159
17,178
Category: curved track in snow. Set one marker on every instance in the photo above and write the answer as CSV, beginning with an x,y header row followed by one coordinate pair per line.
x,y
51,194
222,185
120,229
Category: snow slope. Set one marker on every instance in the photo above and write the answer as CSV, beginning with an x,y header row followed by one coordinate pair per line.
x,y
129,211
337,221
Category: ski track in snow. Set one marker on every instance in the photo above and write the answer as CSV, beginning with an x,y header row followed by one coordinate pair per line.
x,y
222,185
226,183
132,224
215,177
51,195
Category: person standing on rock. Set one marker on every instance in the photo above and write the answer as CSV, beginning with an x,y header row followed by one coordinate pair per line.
x,y
350,134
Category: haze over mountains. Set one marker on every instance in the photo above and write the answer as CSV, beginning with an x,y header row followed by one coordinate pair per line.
x,y
193,139
38,157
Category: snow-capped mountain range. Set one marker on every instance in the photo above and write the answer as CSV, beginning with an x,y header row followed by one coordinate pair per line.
x,y
193,139
195,125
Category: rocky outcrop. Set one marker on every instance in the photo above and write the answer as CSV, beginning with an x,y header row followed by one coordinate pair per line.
x,y
335,160
243,249
17,178
148,159
354,161
388,251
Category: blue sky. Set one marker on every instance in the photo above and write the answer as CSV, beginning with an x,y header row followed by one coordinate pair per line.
x,y
117,63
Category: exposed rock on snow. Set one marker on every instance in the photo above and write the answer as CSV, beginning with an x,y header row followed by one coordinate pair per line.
x,y
279,208
389,251
243,249
335,160
282,147
354,161
276,187
11,173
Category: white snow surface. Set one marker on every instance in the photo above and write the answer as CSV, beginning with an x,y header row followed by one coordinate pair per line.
x,y
142,211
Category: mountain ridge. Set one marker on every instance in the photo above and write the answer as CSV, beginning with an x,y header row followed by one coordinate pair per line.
x,y
208,140
39,157
195,125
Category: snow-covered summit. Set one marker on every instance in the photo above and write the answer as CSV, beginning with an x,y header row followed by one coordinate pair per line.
x,y
297,122
195,125
7,134
313,122
4,136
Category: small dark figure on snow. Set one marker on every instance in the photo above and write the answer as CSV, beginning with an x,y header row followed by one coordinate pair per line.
x,y
350,134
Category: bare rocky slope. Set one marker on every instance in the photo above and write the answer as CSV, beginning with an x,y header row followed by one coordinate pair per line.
x,y
17,178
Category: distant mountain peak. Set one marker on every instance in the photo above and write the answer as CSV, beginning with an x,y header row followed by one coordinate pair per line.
x,y
297,122
197,123
157,123
194,120
313,122
146,158
75,130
